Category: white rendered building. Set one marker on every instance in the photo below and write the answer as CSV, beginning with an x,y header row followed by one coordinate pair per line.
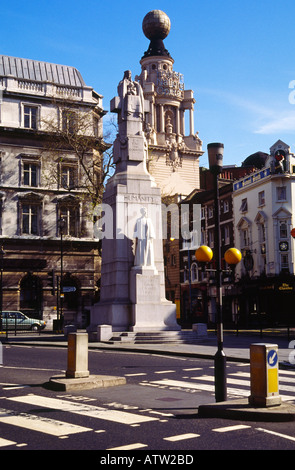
x,y
263,205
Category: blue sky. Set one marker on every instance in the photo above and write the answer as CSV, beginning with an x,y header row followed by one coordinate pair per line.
x,y
237,56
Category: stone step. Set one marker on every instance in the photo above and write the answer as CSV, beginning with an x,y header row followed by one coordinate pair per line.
x,y
180,337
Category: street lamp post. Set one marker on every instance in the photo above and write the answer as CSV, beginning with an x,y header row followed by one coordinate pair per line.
x,y
2,253
61,225
215,154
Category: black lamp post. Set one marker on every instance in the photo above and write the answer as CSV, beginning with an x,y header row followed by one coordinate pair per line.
x,y
2,253
61,225
215,154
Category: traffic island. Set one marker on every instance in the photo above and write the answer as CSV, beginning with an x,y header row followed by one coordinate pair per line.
x,y
60,383
241,409
264,402
77,375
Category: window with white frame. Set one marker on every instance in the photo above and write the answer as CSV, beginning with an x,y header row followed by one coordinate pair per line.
x,y
245,238
261,198
185,274
226,235
211,238
244,205
194,272
283,228
284,262
30,116
281,193
70,214
225,206
68,174
30,174
69,121
30,218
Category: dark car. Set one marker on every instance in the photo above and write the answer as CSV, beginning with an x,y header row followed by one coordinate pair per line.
x,y
15,319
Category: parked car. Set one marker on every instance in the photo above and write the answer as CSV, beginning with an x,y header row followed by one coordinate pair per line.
x,y
12,319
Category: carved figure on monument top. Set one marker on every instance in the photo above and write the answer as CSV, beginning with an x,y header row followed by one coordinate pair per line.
x,y
131,98
144,235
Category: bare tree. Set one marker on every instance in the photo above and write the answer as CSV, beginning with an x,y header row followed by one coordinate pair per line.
x,y
78,157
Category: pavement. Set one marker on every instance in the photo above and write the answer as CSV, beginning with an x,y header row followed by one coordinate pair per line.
x,y
236,348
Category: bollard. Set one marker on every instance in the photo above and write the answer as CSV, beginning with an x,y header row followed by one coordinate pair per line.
x,y
264,375
77,355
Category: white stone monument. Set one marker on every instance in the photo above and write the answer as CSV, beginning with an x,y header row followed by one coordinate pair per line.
x,y
132,276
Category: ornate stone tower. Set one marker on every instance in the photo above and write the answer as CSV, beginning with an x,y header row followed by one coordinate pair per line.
x,y
173,157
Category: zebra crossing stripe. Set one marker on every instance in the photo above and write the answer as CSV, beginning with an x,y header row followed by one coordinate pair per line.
x,y
37,423
84,409
6,442
211,388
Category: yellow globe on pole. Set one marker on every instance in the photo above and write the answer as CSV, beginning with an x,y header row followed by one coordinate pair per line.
x,y
204,254
233,256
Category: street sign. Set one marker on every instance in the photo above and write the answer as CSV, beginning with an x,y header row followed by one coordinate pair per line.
x,y
272,358
66,289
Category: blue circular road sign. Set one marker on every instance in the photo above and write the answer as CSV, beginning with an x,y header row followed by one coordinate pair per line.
x,y
272,358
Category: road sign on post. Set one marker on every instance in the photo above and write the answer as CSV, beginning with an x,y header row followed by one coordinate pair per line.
x,y
264,374
67,289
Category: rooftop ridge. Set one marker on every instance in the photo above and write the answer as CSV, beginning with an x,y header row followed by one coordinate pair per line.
x,y
40,71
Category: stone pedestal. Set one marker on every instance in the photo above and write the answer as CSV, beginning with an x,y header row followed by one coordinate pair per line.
x,y
150,311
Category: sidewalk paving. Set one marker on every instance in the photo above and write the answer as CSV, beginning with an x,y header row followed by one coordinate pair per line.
x,y
236,348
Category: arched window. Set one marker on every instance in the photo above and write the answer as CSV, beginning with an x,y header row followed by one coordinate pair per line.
x,y
194,272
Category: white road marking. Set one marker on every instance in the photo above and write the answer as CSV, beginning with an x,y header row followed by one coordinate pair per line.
x,y
285,436
177,384
37,423
129,447
135,375
84,409
6,442
281,376
231,428
210,378
164,371
181,437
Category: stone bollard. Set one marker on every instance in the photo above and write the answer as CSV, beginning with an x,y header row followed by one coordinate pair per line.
x,y
77,355
104,332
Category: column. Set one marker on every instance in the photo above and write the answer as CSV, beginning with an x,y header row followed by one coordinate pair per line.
x,y
192,126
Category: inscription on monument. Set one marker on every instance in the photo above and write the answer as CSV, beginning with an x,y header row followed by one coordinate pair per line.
x,y
148,289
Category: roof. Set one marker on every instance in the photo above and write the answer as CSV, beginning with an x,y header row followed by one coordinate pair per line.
x,y
40,71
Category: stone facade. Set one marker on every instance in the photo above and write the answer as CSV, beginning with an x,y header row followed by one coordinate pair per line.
x,y
41,184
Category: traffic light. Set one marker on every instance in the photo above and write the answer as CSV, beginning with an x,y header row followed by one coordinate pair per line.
x,y
51,280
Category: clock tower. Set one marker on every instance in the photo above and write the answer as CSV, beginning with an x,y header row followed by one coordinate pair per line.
x,y
174,151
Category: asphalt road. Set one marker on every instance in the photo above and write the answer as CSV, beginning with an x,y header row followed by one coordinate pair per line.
x,y
157,409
